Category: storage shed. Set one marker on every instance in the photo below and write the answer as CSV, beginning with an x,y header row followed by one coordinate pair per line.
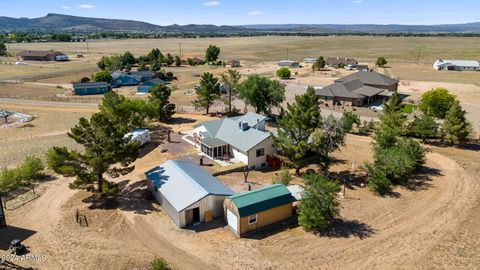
x,y
90,88
187,193
146,86
255,209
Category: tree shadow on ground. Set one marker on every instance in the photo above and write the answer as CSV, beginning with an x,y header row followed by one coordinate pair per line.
x,y
147,148
466,146
181,120
348,228
130,198
422,180
11,232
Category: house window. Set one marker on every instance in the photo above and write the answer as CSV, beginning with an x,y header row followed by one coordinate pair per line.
x,y
263,165
260,152
252,219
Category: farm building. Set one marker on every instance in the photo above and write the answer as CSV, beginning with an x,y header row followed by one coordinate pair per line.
x,y
233,63
358,89
143,75
243,138
288,63
457,65
124,79
255,209
340,62
90,88
309,60
42,56
146,86
186,192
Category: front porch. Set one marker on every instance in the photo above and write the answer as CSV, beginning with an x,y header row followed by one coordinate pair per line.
x,y
218,151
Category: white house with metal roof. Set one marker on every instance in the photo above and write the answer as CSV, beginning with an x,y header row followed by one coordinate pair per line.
x,y
457,65
243,138
187,193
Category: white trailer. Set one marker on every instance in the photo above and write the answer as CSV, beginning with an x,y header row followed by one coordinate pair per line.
x,y
139,135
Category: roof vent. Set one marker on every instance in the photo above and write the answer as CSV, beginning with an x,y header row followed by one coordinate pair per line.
x,y
243,125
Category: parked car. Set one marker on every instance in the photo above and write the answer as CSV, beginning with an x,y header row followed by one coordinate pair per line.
x,y
377,108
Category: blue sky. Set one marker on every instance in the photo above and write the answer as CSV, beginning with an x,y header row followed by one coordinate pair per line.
x,y
236,12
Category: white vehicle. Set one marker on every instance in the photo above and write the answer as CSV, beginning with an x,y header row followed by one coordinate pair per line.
x,y
20,63
378,108
139,135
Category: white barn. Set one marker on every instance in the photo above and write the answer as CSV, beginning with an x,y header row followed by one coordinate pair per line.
x,y
243,138
187,193
457,65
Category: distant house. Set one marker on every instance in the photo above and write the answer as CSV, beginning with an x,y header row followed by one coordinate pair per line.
x,y
358,89
42,56
258,208
243,138
90,88
146,86
233,63
187,193
143,75
194,60
457,65
340,62
288,63
124,79
310,60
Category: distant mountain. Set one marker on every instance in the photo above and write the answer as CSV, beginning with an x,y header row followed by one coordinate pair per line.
x,y
67,23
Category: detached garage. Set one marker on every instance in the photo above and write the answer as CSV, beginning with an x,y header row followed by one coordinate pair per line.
x,y
186,192
258,208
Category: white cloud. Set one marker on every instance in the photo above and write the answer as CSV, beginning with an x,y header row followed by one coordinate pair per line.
x,y
211,4
86,6
255,13
66,7
357,1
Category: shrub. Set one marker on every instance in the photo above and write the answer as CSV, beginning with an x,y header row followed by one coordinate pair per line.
x,y
377,181
381,62
284,73
348,120
283,177
424,127
28,172
102,76
159,264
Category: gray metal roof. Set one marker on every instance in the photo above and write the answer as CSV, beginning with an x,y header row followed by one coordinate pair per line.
x,y
183,183
213,142
89,85
251,118
228,130
154,82
371,78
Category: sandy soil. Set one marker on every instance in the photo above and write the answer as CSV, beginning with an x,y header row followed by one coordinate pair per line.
x,y
414,230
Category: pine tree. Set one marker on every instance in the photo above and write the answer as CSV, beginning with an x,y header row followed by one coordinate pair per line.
x,y
209,91
231,81
160,95
455,125
327,140
393,104
296,126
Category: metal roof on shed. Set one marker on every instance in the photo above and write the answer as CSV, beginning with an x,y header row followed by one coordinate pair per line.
x,y
262,199
183,183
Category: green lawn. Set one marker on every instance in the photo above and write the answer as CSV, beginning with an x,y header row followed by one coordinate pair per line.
x,y
409,108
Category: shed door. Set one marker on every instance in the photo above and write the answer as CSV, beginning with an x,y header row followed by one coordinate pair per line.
x,y
232,220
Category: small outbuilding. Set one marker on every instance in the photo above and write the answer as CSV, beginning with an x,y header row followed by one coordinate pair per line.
x,y
233,63
148,85
255,209
90,88
187,193
288,63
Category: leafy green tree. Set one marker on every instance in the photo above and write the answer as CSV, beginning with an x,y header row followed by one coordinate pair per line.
x,y
128,58
209,91
283,177
169,60
142,66
155,66
319,64
102,76
154,55
131,113
261,93
107,151
296,126
377,181
381,62
326,140
348,120
319,206
436,102
231,81
456,127
178,61
284,73
3,49
212,53
159,99
102,62
424,127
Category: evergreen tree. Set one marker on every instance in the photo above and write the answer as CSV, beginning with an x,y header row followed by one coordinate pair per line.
x,y
261,93
155,66
169,60
231,81
107,151
3,49
319,205
178,61
209,91
348,120
142,66
295,128
327,140
424,127
319,64
393,104
160,95
455,125
381,62
211,55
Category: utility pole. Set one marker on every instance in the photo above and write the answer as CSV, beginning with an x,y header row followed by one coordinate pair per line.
x,y
287,55
180,48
